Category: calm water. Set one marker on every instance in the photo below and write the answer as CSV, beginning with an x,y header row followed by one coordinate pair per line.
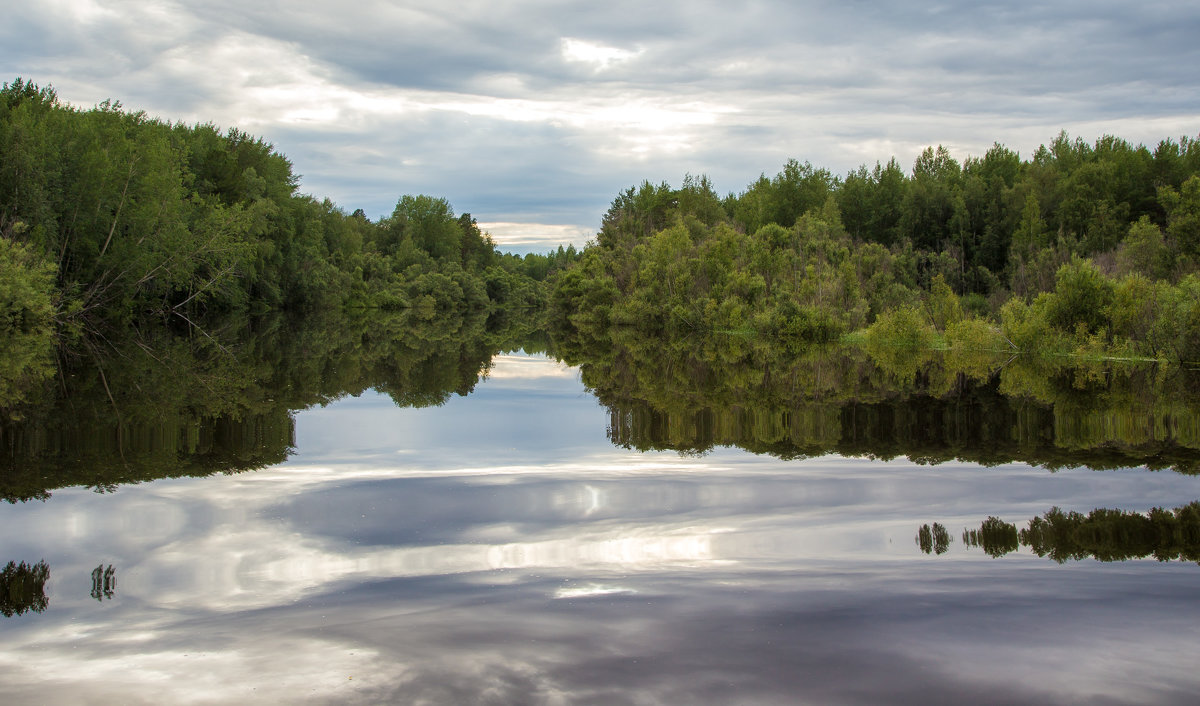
x,y
501,549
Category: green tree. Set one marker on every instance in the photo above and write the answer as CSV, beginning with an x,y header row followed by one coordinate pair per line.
x,y
1144,251
1032,233
27,294
1081,296
1183,217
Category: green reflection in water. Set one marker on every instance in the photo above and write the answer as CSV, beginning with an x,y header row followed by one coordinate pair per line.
x,y
933,540
995,536
26,363
165,403
23,588
104,582
1102,534
695,395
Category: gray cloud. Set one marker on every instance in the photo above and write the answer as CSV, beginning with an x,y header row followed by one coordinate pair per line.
x,y
539,112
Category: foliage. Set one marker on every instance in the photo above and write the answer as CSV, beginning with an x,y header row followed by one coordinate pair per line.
x,y
23,588
691,394
1081,294
121,215
933,540
973,345
26,288
804,257
902,327
1114,535
1103,534
161,403
995,536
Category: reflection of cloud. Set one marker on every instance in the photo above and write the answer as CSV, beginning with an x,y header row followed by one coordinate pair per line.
x,y
620,549
619,516
249,561
193,671
590,590
523,367
872,634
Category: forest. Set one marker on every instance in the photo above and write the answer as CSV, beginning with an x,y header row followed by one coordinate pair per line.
x,y
998,290
1081,249
108,215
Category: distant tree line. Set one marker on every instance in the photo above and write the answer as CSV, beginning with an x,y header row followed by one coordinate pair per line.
x,y
1092,246
1103,534
107,213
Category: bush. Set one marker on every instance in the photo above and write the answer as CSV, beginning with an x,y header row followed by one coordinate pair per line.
x,y
1027,327
975,334
1081,295
1178,329
902,327
26,288
974,344
807,324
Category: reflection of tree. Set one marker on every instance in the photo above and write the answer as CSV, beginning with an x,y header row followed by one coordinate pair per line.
x,y
167,403
996,536
23,588
1102,534
104,582
694,394
1114,535
26,362
933,540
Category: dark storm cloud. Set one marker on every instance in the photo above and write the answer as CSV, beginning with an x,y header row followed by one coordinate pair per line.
x,y
540,112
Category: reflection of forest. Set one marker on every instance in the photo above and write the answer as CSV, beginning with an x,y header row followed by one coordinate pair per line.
x,y
104,582
161,404
734,391
933,540
1103,534
188,403
23,588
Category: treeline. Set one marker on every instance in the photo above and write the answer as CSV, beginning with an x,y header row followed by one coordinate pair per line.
x,y
1103,534
114,214
1082,245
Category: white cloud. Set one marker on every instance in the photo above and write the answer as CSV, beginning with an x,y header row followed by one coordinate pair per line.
x,y
598,56
548,235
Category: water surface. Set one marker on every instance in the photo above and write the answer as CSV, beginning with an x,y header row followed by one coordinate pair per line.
x,y
501,548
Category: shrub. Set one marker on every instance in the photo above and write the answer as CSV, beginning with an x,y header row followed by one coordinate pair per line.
x,y
902,327
26,288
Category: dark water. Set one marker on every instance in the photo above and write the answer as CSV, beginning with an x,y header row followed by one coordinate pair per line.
x,y
514,545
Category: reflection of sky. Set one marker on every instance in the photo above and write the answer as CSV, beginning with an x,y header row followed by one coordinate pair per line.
x,y
500,550
528,410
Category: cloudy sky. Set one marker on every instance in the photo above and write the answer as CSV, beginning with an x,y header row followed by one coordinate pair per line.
x,y
532,114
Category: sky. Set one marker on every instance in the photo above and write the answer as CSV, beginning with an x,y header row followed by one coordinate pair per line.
x,y
533,115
